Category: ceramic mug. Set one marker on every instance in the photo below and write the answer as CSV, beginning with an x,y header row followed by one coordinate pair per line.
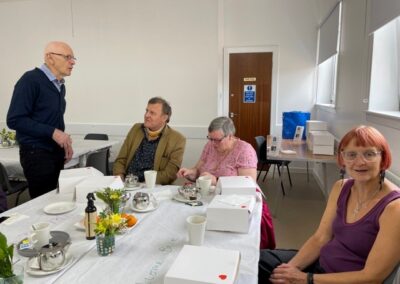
x,y
204,183
40,235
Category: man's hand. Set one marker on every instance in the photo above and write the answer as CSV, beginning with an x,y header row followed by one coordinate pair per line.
x,y
65,142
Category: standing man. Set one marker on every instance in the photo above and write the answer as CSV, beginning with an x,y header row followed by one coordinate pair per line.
x,y
152,145
37,114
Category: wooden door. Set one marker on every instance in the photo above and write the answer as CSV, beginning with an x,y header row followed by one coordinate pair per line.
x,y
250,76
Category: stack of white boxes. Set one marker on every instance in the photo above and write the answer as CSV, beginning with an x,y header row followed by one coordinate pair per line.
x,y
319,140
231,211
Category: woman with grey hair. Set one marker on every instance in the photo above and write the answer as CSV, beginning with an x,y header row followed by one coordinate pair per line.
x,y
227,155
224,154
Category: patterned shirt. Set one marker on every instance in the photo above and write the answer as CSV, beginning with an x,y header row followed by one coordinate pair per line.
x,y
242,156
143,159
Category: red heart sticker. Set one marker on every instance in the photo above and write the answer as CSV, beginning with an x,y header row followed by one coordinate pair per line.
x,y
222,276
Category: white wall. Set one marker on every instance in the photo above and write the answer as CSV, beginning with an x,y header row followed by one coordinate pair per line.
x,y
130,50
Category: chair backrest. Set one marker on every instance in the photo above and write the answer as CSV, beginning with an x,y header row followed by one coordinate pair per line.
x,y
261,147
98,160
4,182
96,136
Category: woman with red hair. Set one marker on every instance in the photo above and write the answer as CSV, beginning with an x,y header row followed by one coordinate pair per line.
x,y
357,240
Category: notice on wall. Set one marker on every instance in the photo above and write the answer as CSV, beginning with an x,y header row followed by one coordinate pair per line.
x,y
249,94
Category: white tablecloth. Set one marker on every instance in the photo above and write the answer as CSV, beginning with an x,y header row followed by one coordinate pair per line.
x,y
143,254
9,157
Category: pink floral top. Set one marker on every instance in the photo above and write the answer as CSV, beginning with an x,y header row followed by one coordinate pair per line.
x,y
242,156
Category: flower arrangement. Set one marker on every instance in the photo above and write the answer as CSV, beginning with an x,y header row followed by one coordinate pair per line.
x,y
8,272
6,256
7,137
110,224
113,198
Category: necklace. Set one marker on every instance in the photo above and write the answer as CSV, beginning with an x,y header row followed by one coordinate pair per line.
x,y
363,204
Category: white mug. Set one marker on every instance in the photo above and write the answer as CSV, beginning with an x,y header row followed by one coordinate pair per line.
x,y
196,228
150,178
40,235
204,183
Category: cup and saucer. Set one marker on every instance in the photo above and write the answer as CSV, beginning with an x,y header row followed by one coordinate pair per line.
x,y
132,183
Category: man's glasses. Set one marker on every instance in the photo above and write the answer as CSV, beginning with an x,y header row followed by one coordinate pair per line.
x,y
368,155
66,57
215,140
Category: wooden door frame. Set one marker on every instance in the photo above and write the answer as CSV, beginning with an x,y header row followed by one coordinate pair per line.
x,y
223,109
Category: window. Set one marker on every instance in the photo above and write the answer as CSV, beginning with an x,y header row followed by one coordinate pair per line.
x,y
328,46
326,84
384,95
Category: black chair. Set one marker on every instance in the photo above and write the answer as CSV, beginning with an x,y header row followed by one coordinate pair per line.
x,y
11,186
96,136
99,136
98,160
261,148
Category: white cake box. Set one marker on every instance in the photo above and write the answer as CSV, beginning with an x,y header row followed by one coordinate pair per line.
x,y
68,179
92,184
322,138
312,125
204,265
323,150
237,185
230,213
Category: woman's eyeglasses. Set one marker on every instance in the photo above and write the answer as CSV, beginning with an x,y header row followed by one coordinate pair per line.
x,y
215,140
368,155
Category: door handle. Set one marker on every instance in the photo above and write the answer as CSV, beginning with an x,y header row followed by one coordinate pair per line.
x,y
232,115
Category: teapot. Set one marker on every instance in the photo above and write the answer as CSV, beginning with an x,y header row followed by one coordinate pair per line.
x,y
52,256
141,200
189,191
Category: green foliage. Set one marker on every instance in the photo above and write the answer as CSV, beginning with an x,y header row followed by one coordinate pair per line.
x,y
6,256
112,197
7,135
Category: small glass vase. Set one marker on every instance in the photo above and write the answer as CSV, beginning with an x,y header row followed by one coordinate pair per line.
x,y
105,244
18,277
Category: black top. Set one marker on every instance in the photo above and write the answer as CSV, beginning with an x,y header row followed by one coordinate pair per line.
x,y
36,109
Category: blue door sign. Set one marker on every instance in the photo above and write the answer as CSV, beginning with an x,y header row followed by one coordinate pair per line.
x,y
249,94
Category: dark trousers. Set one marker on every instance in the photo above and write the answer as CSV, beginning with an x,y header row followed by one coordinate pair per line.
x,y
41,168
269,259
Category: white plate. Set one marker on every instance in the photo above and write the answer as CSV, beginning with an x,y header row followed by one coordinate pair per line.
x,y
132,188
6,147
59,208
180,198
152,206
32,266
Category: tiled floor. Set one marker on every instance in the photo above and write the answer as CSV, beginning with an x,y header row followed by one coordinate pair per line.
x,y
298,213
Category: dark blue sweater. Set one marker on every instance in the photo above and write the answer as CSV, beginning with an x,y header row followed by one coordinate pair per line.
x,y
36,109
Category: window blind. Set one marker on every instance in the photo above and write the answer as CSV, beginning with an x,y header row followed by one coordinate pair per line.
x,y
329,35
381,12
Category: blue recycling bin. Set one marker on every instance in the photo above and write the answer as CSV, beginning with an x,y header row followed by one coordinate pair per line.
x,y
291,120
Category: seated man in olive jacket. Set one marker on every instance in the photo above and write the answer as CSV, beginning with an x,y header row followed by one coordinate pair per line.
x,y
152,145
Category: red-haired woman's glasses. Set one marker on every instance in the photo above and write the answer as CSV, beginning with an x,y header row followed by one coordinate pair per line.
x,y
368,155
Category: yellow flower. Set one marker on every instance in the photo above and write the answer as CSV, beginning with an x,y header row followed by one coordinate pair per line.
x,y
116,219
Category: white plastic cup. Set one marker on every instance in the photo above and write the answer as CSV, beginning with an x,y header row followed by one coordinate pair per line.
x,y
196,228
150,178
40,235
204,183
